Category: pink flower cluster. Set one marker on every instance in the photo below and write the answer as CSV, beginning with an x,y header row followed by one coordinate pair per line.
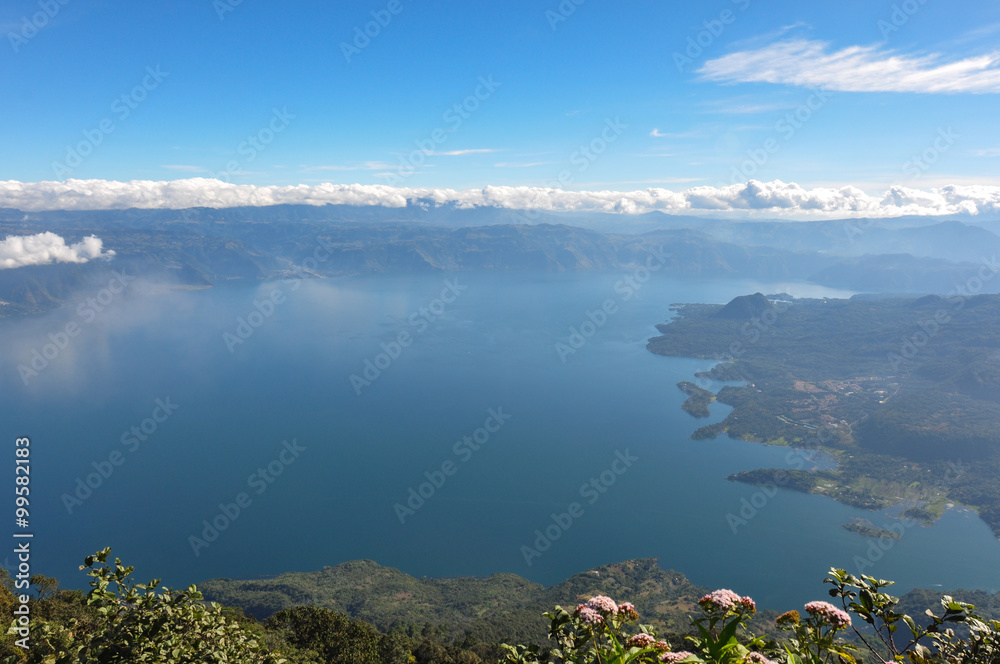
x,y
725,601
673,657
640,641
628,610
596,609
757,658
589,616
603,603
829,613
593,612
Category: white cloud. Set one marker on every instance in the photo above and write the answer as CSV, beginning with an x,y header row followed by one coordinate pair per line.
x,y
45,248
461,153
775,199
694,133
811,63
667,180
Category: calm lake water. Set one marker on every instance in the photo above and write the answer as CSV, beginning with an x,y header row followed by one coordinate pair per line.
x,y
331,494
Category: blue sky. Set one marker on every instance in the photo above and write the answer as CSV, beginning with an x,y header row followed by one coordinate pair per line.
x,y
922,81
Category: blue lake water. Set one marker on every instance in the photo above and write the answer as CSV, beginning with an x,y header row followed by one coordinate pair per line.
x,y
332,495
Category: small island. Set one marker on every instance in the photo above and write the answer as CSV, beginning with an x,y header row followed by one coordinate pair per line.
x,y
698,399
866,528
922,514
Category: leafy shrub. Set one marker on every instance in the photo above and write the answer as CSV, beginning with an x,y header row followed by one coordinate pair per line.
x,y
138,622
603,632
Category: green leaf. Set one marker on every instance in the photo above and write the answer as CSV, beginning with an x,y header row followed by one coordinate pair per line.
x,y
729,631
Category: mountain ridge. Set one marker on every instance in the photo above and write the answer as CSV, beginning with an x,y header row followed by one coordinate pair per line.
x,y
204,246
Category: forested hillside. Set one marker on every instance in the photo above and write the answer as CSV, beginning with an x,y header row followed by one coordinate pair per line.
x,y
903,393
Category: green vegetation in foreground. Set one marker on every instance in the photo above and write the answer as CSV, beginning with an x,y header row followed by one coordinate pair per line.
x,y
903,393
866,528
602,630
122,622
698,399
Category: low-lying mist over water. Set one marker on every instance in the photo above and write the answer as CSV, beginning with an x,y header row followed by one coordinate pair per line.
x,y
427,422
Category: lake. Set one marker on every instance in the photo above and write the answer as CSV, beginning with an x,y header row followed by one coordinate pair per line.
x,y
426,422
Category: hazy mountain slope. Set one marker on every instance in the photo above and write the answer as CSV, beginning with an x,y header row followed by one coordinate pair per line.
x,y
901,272
921,237
501,603
203,246
203,254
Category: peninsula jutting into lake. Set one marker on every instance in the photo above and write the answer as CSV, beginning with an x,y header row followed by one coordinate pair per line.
x,y
902,392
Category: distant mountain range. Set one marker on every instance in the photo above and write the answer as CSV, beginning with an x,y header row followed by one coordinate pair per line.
x,y
202,246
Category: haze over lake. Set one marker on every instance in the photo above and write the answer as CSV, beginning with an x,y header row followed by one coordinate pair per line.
x,y
352,457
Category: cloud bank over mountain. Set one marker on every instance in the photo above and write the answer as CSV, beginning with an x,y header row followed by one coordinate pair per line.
x,y
771,199
45,248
